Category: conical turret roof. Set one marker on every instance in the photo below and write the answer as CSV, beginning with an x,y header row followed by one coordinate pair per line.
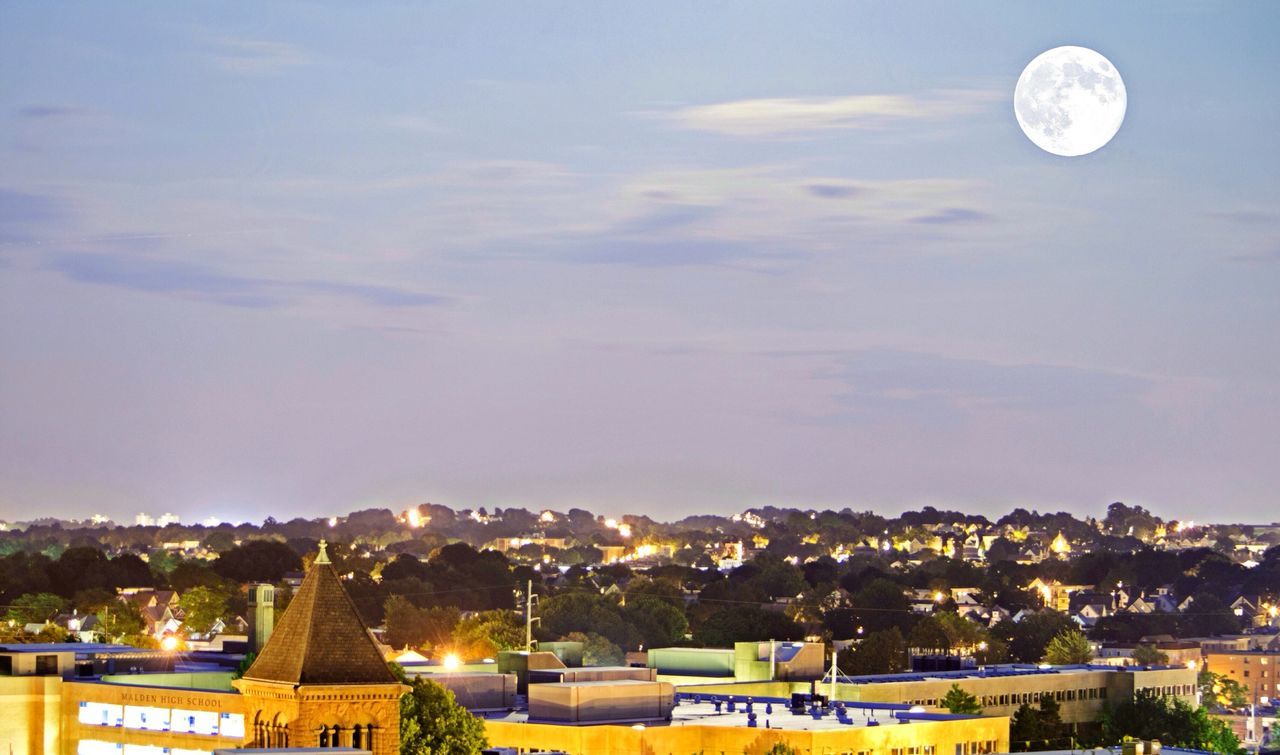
x,y
321,638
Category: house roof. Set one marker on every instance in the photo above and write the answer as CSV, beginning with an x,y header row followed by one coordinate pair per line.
x,y
321,639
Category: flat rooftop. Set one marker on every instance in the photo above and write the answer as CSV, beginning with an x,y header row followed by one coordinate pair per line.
x,y
705,714
80,648
1003,670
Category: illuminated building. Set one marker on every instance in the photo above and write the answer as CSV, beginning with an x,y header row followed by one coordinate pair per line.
x,y
320,680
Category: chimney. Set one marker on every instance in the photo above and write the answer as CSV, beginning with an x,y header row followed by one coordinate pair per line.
x,y
262,616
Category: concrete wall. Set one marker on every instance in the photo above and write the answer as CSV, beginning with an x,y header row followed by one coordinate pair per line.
x,y
692,661
600,701
480,691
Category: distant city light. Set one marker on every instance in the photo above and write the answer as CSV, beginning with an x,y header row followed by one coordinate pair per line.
x,y
413,517
548,517
333,521
624,530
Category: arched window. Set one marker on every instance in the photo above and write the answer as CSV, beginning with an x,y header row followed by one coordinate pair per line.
x,y
337,736
324,736
357,740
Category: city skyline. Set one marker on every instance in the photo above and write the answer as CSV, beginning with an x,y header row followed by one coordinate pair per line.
x,y
298,260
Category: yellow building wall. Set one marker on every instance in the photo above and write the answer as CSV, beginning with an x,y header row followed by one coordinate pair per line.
x,y
73,693
973,735
30,714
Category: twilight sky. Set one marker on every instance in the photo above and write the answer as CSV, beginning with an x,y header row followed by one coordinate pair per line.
x,y
670,258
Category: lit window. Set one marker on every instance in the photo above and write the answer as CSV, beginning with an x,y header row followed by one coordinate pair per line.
x,y
232,725
98,747
144,717
101,714
195,721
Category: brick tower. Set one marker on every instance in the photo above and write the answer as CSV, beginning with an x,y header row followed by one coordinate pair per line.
x,y
321,680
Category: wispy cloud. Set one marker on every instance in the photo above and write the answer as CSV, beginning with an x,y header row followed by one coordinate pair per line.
x,y
687,252
19,207
1245,217
795,116
250,56
208,284
882,378
47,112
952,216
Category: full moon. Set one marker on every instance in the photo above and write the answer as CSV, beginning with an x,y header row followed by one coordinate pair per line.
x,y
1070,101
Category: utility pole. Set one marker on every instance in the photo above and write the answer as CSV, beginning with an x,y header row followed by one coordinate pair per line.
x,y
773,661
528,617
834,672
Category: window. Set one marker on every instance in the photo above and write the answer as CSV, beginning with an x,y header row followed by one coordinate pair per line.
x,y
46,665
231,725
100,714
195,721
147,718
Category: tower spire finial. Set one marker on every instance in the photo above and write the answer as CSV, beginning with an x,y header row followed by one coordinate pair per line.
x,y
323,556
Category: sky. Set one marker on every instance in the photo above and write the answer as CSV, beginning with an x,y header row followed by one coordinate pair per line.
x,y
294,259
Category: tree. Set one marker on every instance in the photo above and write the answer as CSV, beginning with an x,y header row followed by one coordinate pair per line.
x,y
1067,647
659,621
432,722
1208,616
36,608
1148,715
1148,655
745,624
244,664
189,574
597,650
121,622
958,700
485,633
781,748
1028,638
882,652
1036,728
257,561
1221,691
202,608
414,627
881,604
586,613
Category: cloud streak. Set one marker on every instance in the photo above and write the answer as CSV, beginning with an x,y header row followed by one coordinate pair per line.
x,y
207,284
254,56
799,116
902,379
